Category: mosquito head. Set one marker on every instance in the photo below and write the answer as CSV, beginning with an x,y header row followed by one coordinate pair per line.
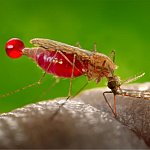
x,y
14,48
113,83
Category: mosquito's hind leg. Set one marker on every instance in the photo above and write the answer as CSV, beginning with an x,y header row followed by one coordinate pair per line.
x,y
30,85
47,89
112,109
23,88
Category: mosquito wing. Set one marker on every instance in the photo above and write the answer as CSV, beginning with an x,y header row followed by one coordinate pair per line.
x,y
54,45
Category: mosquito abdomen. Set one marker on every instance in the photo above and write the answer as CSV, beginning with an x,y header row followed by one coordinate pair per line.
x,y
55,63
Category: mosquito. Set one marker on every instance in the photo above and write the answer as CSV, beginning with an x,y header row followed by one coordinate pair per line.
x,y
66,61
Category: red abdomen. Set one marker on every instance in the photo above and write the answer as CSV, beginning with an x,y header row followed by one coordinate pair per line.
x,y
55,63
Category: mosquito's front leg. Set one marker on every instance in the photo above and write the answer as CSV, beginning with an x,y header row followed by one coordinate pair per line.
x,y
112,109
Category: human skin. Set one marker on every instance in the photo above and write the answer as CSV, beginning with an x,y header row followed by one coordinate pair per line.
x,y
82,122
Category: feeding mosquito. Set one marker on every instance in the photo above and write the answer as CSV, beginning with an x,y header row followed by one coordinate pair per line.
x,y
66,61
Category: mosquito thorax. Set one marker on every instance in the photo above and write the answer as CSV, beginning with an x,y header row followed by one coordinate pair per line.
x,y
14,48
113,83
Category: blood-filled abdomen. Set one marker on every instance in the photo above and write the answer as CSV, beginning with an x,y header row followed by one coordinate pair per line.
x,y
61,64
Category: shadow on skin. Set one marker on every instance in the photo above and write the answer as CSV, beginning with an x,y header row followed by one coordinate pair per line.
x,y
83,122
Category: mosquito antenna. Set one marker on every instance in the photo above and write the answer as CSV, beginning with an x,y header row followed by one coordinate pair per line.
x,y
131,79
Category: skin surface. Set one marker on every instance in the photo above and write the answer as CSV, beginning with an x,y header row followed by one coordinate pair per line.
x,y
83,122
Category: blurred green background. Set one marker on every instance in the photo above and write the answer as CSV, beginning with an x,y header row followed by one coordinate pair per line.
x,y
123,25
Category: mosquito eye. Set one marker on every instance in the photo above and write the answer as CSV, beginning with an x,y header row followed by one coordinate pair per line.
x,y
112,84
14,48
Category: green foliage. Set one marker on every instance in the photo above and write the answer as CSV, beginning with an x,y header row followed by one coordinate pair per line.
x,y
113,24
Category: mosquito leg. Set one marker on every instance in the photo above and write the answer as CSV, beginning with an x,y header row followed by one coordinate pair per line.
x,y
30,85
115,111
69,94
42,77
23,88
69,61
73,67
112,55
72,79
18,90
72,76
80,89
78,45
57,111
70,89
94,48
48,89
104,94
72,63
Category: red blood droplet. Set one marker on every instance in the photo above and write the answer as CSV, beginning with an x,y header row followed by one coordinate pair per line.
x,y
14,48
